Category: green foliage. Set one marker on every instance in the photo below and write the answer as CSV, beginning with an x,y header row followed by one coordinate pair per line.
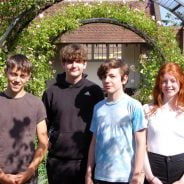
x,y
37,41
149,66
10,9
13,8
2,64
42,179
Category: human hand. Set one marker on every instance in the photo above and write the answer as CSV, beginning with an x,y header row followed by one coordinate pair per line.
x,y
137,179
181,181
8,179
155,180
24,176
88,180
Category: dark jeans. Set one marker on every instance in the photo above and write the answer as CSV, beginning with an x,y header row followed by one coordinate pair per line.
x,y
66,171
106,182
167,168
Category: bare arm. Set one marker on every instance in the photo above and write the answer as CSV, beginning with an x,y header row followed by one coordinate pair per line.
x,y
148,172
180,181
39,153
5,178
91,161
147,168
140,139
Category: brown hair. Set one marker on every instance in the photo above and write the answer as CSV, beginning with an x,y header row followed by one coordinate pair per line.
x,y
175,70
112,63
74,52
20,61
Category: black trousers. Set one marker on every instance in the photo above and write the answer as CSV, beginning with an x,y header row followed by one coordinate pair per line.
x,y
106,182
66,171
167,168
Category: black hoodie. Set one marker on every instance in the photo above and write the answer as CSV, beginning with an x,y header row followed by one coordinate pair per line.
x,y
69,111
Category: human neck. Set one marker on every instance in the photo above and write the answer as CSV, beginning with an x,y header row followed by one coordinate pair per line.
x,y
169,104
170,101
12,94
73,80
116,96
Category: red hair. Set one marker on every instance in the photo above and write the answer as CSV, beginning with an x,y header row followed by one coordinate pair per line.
x,y
175,70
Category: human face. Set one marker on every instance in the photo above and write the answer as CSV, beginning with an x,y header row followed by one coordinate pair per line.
x,y
16,81
113,83
170,86
74,70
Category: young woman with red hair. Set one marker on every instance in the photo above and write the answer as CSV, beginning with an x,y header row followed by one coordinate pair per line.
x,y
164,161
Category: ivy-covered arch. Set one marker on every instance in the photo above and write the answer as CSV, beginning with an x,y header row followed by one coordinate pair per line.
x,y
37,40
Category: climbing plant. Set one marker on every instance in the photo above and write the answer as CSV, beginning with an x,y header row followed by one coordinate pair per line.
x,y
37,41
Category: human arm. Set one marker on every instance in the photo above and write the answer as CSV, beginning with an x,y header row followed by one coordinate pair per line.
x,y
40,152
91,161
147,168
140,140
180,181
6,178
148,172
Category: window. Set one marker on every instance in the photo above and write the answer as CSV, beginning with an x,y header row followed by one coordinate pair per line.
x,y
115,51
89,50
100,52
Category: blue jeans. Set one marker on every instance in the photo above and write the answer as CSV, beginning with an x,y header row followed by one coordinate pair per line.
x,y
167,168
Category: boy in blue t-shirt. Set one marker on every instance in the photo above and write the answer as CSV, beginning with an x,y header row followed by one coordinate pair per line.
x,y
118,144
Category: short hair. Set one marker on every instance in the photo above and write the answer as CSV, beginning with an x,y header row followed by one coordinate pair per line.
x,y
74,52
19,61
175,70
113,63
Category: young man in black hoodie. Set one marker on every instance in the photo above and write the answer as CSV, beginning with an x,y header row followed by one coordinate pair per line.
x,y
69,104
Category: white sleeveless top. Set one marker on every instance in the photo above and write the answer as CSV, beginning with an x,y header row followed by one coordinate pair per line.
x,y
165,132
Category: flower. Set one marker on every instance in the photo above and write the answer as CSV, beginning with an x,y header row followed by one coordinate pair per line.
x,y
150,97
41,15
132,68
159,22
137,10
86,4
124,1
153,17
144,56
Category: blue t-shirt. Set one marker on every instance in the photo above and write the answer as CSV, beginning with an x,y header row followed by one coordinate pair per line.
x,y
114,125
